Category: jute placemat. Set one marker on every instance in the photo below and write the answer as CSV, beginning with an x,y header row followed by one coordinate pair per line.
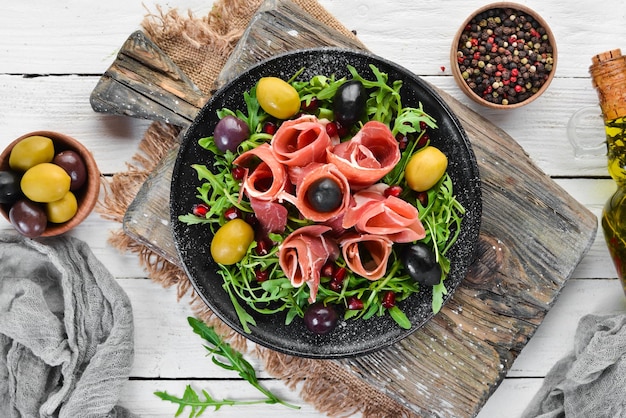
x,y
200,46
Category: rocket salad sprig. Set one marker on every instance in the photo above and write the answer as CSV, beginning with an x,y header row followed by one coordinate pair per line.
x,y
226,357
439,211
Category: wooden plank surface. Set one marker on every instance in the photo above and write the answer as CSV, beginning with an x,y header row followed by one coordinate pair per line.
x,y
46,85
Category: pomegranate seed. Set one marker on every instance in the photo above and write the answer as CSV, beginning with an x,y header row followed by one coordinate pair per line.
x,y
423,126
238,172
403,141
335,285
341,130
393,191
251,219
423,198
232,213
423,141
311,107
270,128
328,269
389,299
261,275
340,274
331,129
354,303
200,209
263,246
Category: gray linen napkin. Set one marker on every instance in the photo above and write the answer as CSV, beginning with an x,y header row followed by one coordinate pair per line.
x,y
590,382
66,331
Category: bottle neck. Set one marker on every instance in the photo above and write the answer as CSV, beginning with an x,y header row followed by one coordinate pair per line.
x,y
608,76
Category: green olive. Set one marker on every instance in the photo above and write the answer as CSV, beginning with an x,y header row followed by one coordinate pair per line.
x,y
45,183
31,151
277,97
230,242
62,210
425,168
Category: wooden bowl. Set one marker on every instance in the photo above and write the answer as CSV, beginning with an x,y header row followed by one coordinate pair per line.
x,y
468,51
86,196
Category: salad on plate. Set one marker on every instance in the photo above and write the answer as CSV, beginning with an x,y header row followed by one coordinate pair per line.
x,y
326,201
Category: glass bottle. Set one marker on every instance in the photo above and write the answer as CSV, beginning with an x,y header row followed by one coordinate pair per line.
x,y
608,72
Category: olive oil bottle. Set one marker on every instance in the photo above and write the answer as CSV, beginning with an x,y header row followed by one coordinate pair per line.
x,y
608,72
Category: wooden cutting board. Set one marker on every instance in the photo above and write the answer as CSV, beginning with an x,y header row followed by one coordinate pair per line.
x,y
533,235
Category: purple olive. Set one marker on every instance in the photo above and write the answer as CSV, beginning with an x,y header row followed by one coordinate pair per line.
x,y
74,165
229,133
320,318
28,218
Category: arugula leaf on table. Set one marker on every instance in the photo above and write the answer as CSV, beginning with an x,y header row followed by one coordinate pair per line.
x,y
229,359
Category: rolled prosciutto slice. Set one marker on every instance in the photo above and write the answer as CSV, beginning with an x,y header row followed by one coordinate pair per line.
x,y
374,213
268,179
367,255
368,156
303,253
301,141
307,179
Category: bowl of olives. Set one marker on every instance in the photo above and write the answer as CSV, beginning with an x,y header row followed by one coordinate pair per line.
x,y
49,183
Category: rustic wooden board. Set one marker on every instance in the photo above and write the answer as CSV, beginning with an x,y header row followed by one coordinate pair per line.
x,y
143,82
533,234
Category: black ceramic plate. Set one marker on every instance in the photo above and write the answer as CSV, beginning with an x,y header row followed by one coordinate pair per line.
x,y
351,337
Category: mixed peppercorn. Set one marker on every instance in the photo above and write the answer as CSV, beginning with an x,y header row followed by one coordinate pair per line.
x,y
505,55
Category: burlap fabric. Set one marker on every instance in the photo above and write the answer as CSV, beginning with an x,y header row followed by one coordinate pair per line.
x,y
200,46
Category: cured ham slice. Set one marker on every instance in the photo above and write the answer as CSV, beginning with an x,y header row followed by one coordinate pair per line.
x,y
368,156
303,253
374,213
267,180
272,216
307,177
301,141
367,255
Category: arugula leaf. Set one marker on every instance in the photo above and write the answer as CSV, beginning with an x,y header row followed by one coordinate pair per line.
x,y
400,318
438,292
226,357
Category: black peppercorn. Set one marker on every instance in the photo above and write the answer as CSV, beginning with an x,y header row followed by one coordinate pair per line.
x,y
498,41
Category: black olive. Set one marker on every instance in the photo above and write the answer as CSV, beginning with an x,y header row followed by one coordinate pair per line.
x,y
349,102
421,264
9,187
324,195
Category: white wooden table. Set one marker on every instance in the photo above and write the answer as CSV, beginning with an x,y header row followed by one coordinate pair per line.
x,y
53,53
